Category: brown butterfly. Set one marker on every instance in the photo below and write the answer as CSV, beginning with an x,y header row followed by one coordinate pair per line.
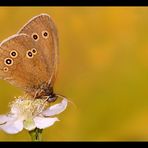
x,y
29,59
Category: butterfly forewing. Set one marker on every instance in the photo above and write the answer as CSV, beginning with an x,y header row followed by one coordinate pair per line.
x,y
44,29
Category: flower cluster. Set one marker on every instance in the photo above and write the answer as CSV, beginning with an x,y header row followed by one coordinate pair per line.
x,y
30,114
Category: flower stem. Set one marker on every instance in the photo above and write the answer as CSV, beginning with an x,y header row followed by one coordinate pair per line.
x,y
36,134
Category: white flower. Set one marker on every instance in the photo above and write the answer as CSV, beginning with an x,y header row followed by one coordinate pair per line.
x,y
30,114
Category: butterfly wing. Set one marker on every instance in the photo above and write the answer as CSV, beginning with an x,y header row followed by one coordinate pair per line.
x,y
42,30
23,64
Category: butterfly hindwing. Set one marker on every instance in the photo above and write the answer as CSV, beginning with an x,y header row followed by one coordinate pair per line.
x,y
23,70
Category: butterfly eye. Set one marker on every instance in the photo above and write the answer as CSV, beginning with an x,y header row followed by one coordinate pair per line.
x,y
5,69
8,61
29,54
35,36
13,54
34,51
45,34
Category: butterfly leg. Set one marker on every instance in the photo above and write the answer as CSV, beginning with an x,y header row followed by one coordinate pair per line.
x,y
43,104
36,93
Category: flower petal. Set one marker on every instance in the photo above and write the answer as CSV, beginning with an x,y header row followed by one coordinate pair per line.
x,y
56,109
11,125
6,118
42,122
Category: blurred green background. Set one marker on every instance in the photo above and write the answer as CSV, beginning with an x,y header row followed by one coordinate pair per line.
x,y
103,70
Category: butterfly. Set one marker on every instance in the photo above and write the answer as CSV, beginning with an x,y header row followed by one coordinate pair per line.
x,y
29,59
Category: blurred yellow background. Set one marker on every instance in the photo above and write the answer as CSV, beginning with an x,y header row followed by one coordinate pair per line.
x,y
103,70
